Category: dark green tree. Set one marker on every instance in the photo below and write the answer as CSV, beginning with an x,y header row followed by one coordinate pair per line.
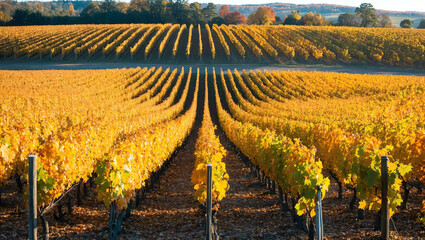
x,y
20,17
196,16
293,19
122,7
217,20
139,5
158,11
384,21
406,23
422,23
36,18
368,15
278,20
349,19
179,11
108,6
210,12
90,10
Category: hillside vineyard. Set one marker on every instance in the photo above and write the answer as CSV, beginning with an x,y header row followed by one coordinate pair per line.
x,y
168,43
295,127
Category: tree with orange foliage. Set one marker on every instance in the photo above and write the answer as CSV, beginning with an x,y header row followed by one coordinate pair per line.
x,y
235,17
224,10
311,19
71,10
263,16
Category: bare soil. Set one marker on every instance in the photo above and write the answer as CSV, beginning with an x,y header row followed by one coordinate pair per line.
x,y
76,65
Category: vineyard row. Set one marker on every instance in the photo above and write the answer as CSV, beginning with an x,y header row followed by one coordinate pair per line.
x,y
232,43
297,128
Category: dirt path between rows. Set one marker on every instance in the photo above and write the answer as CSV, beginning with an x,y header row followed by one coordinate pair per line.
x,y
45,65
249,210
168,211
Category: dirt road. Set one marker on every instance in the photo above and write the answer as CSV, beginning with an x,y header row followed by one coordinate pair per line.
x,y
310,68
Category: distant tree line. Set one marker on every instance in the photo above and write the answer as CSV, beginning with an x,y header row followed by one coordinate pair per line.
x,y
50,8
110,12
175,11
365,16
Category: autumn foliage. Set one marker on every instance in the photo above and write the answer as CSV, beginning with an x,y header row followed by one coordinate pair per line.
x,y
263,16
122,125
349,147
208,150
104,132
231,17
269,43
235,17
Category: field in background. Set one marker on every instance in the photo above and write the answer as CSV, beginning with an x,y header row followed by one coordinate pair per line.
x,y
167,43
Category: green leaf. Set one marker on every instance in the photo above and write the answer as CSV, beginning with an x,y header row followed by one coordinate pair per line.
x,y
104,186
41,173
361,150
372,177
310,194
100,167
50,182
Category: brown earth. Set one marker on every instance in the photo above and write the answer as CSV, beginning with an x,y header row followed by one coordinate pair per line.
x,y
75,65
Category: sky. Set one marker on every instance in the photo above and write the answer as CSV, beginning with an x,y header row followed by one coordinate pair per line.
x,y
395,5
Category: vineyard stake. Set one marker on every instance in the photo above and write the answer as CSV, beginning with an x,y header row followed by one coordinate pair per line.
x,y
32,197
385,216
209,202
112,222
319,218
